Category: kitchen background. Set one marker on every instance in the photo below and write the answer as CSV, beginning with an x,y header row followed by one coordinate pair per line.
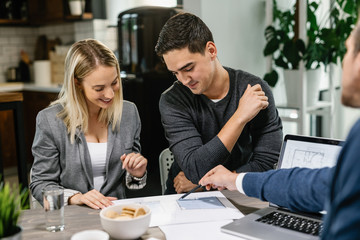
x,y
13,40
34,40
238,29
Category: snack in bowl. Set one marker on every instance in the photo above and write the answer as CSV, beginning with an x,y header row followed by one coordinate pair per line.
x,y
125,221
126,212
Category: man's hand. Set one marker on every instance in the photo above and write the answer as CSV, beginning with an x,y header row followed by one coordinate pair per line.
x,y
134,163
93,199
219,178
182,184
252,101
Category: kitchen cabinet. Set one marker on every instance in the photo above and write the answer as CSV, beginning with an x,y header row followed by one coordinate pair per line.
x,y
33,102
7,139
13,12
46,12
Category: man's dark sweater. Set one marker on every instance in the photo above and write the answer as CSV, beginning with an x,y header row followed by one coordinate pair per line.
x,y
192,122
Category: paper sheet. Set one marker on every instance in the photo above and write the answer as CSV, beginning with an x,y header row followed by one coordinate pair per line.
x,y
166,211
202,230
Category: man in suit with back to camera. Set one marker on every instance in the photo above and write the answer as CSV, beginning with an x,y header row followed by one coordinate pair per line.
x,y
336,189
212,114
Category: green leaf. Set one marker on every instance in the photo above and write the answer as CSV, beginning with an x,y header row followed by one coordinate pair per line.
x,y
293,51
349,7
281,63
271,78
271,47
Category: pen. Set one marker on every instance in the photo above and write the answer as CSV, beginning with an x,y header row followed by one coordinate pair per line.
x,y
191,191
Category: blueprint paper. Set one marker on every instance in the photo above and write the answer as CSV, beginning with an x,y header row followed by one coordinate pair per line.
x,y
200,203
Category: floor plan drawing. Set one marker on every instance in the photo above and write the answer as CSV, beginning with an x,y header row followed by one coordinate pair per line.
x,y
309,155
303,158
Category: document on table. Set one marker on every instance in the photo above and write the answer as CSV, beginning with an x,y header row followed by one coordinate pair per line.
x,y
198,207
201,230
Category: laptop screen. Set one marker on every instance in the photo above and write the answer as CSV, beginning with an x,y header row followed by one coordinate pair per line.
x,y
309,152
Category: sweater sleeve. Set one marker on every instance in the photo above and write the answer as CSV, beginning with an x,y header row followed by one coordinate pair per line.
x,y
299,189
193,156
266,132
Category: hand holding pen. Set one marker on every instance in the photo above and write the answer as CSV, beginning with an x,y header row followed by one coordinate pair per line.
x,y
191,191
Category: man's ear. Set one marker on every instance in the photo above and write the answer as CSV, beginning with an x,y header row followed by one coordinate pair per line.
x,y
211,48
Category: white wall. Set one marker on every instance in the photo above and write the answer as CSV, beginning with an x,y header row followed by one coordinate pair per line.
x,y
237,27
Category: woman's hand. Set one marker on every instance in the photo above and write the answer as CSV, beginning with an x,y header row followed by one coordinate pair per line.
x,y
134,163
93,199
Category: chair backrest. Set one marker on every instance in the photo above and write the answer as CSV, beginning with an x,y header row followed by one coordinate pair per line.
x,y
166,158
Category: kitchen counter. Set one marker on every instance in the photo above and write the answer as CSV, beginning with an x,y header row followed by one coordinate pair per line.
x,y
18,86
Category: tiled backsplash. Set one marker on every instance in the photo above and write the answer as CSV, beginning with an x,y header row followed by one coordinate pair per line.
x,y
15,39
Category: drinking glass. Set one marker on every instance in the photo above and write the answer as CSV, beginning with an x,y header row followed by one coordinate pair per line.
x,y
53,197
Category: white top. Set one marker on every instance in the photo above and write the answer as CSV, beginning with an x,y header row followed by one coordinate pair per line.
x,y
239,180
98,162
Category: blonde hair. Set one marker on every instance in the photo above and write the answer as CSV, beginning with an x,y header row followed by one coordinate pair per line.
x,y
81,60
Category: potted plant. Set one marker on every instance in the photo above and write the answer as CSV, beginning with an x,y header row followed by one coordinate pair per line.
x,y
286,49
11,203
325,44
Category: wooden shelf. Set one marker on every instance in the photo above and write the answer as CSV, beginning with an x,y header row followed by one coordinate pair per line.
x,y
84,16
13,21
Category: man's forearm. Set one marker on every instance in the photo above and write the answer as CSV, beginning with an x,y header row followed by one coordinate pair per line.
x,y
231,131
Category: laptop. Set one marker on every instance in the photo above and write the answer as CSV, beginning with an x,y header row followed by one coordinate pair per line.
x,y
277,223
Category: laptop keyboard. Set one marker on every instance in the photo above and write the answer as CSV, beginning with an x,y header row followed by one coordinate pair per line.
x,y
292,222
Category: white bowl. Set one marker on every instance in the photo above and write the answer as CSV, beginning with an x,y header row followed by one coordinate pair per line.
x,y
125,228
90,235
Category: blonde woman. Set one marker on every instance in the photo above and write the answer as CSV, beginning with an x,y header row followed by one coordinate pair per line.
x,y
87,141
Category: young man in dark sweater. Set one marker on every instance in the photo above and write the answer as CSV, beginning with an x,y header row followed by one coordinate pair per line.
x,y
212,114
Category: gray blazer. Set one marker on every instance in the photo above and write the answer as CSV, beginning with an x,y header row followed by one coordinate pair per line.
x,y
59,162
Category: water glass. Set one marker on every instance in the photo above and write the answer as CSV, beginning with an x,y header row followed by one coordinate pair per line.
x,y
53,197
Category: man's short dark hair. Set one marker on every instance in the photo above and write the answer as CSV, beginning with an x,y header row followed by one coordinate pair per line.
x,y
183,30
